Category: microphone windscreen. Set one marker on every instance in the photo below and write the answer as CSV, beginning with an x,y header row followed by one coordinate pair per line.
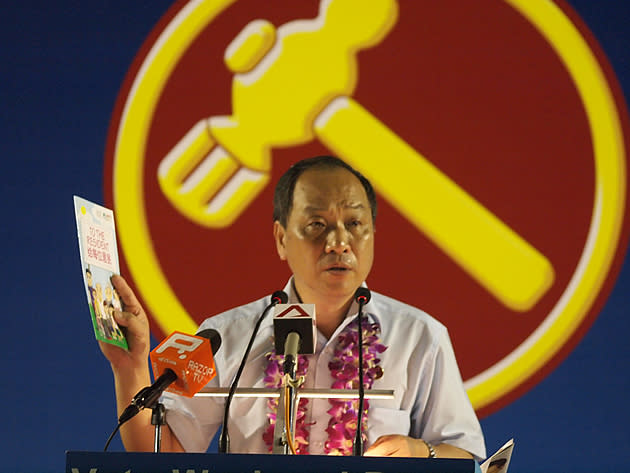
x,y
214,337
362,295
279,297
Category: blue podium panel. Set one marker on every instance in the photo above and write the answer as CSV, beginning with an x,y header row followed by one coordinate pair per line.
x,y
120,462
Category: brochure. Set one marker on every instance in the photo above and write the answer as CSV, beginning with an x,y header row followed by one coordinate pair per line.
x,y
99,261
499,462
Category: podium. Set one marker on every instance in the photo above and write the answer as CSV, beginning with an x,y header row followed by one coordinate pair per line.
x,y
121,462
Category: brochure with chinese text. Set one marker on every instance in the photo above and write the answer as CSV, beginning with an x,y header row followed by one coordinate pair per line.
x,y
99,260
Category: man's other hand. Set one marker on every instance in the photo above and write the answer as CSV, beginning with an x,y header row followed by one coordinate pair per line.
x,y
397,446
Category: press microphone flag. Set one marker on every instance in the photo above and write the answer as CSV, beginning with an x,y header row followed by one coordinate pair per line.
x,y
185,360
189,357
298,318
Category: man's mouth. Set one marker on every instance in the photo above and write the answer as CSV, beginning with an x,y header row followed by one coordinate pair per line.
x,y
337,268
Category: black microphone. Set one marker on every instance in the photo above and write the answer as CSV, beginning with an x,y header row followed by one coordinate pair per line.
x,y
148,396
214,337
362,295
278,297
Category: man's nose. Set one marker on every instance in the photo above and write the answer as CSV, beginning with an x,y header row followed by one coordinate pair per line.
x,y
338,240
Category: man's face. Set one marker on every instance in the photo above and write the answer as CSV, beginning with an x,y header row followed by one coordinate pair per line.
x,y
328,241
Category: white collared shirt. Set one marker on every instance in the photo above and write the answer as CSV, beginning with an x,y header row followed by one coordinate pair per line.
x,y
419,365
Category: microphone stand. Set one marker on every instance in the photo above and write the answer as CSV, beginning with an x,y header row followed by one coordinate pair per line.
x,y
224,439
158,418
285,414
280,440
362,296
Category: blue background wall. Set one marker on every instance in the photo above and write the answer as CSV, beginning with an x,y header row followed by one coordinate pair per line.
x,y
62,64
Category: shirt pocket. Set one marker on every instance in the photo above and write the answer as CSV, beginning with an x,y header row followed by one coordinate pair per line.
x,y
385,421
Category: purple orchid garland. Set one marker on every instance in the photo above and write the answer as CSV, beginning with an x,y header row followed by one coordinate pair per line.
x,y
273,379
343,367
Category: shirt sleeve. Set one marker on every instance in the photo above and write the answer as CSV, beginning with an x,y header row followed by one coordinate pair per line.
x,y
194,421
448,416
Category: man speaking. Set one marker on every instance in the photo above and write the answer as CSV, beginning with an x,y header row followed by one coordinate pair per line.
x,y
323,226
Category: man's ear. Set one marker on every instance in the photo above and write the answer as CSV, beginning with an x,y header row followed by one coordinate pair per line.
x,y
279,234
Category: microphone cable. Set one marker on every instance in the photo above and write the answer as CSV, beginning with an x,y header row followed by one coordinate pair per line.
x,y
362,296
111,437
278,297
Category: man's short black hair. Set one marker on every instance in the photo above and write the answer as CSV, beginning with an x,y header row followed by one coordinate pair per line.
x,y
283,195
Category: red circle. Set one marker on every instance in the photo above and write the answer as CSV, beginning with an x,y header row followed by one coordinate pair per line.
x,y
472,86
